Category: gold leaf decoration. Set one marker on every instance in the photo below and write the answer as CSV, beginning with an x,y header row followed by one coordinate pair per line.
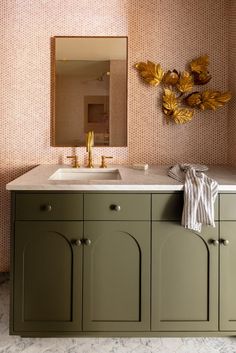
x,y
150,72
171,78
201,79
194,99
185,83
182,116
213,99
178,96
200,64
170,101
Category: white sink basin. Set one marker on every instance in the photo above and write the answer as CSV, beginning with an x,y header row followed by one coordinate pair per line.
x,y
85,174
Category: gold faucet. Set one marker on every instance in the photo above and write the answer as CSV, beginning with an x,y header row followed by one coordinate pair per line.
x,y
89,145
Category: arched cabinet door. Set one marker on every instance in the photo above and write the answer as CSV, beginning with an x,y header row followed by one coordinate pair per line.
x,y
116,285
47,276
227,275
184,278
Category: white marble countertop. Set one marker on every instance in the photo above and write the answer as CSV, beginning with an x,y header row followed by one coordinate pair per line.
x,y
153,179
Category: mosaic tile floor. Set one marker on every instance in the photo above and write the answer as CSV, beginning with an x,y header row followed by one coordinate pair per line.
x,y
15,344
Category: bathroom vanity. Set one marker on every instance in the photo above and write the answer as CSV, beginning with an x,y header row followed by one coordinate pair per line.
x,y
110,258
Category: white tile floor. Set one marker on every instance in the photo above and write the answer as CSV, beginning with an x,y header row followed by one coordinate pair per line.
x,y
15,344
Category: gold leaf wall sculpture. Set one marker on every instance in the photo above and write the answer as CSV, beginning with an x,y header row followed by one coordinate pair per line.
x,y
213,99
182,116
176,106
171,77
170,101
150,72
200,64
185,83
194,99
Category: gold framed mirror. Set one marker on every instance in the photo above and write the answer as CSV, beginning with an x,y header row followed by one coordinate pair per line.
x,y
89,90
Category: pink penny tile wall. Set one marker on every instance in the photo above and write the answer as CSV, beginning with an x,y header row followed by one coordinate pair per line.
x,y
169,32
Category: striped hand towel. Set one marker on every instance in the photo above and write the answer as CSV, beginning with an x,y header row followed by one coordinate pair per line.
x,y
200,193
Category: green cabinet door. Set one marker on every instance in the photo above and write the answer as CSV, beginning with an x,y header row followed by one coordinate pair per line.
x,y
47,276
116,285
184,278
228,276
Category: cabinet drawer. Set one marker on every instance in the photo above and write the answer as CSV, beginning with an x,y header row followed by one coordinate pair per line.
x,y
169,207
117,207
49,207
228,207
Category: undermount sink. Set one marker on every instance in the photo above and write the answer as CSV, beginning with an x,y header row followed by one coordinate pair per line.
x,y
85,174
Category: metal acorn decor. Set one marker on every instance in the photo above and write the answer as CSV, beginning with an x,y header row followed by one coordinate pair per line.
x,y
177,106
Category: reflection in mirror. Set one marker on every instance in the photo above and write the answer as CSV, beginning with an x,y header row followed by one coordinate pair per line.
x,y
90,90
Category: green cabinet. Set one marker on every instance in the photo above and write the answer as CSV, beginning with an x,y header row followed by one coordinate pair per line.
x,y
184,278
227,262
116,282
117,207
72,276
120,264
228,276
48,207
116,288
47,276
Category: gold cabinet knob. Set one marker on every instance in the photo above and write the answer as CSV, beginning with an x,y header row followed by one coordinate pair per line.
x,y
116,208
77,242
225,242
87,242
47,207
215,242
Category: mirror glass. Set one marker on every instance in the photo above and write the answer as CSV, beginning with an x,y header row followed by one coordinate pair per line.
x,y
89,85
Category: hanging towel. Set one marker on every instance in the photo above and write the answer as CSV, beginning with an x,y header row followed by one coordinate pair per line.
x,y
200,193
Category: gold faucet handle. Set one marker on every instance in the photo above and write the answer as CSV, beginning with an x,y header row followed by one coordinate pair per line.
x,y
103,163
75,163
